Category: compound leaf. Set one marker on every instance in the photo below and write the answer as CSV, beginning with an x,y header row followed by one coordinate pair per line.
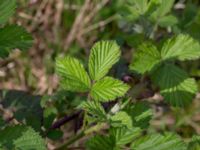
x,y
175,85
13,37
103,56
7,9
73,75
145,59
108,89
181,47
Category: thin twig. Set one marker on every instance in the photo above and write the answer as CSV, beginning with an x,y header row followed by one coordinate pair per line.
x,y
64,120
78,21
89,131
99,24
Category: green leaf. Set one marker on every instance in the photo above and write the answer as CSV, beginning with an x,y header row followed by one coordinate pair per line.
x,y
100,142
21,137
194,144
140,5
175,85
2,122
7,9
124,135
159,142
73,75
167,21
13,37
108,89
128,12
121,119
95,109
181,47
140,113
103,56
164,8
145,59
117,138
55,134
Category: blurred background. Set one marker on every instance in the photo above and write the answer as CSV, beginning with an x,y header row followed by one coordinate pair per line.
x,y
71,27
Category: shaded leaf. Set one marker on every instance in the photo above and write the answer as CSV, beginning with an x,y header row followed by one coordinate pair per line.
x,y
194,144
140,113
21,137
7,9
14,37
55,134
175,85
100,142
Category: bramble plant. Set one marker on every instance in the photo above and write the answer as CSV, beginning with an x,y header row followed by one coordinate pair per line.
x,y
110,117
127,120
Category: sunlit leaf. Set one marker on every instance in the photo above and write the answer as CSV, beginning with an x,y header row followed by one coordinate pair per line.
x,y
108,89
73,75
145,59
159,142
181,47
103,56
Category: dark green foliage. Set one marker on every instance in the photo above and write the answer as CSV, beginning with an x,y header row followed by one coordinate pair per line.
x,y
21,137
104,109
13,37
174,83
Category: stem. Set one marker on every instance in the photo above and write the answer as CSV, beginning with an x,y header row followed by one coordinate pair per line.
x,y
64,120
95,128
85,114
